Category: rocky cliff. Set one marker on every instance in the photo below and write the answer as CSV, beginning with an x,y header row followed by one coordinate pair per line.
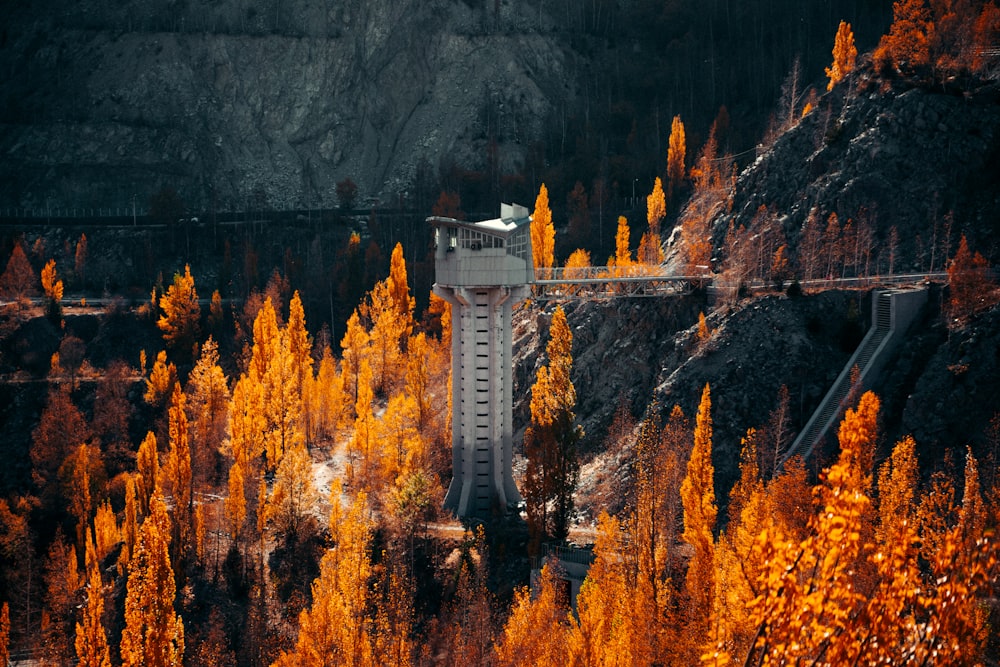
x,y
233,102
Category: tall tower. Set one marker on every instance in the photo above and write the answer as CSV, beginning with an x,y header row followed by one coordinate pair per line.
x,y
482,269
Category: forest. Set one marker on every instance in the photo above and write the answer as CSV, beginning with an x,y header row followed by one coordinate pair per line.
x,y
232,486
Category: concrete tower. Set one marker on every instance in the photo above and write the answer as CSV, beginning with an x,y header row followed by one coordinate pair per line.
x,y
482,269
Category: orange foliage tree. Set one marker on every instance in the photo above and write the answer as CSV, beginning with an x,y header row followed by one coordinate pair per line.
x,y
968,283
906,46
844,55
543,233
154,632
535,633
91,638
550,440
181,312
676,155
18,280
698,499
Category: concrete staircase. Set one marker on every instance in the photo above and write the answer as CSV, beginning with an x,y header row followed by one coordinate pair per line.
x,y
892,313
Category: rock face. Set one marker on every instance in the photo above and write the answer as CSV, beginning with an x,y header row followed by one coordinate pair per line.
x,y
909,154
238,101
644,351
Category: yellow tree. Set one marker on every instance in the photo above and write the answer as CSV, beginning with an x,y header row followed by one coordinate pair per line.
x,y
353,345
282,405
550,440
808,594
80,502
363,443
161,380
698,500
181,312
147,464
399,289
605,631
91,637
298,343
130,529
844,55
543,233
418,380
328,397
208,411
535,634
676,154
178,471
577,264
656,208
236,502
246,422
51,284
154,632
53,288
106,531
622,259
293,495
387,329
336,629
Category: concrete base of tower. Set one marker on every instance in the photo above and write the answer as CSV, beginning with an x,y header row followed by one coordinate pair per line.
x,y
482,385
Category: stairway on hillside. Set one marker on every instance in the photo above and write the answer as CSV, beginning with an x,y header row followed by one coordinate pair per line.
x,y
892,313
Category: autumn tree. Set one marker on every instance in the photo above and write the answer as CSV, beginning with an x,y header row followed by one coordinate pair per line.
x,y
676,155
906,46
154,632
18,280
577,264
448,205
353,346
91,637
327,399
387,328
337,629
293,495
147,463
181,313
61,428
363,444
5,633
161,380
52,286
844,55
299,343
543,233
550,440
113,411
179,475
656,207
700,510
61,584
712,177
282,405
969,284
535,632
621,262
208,411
